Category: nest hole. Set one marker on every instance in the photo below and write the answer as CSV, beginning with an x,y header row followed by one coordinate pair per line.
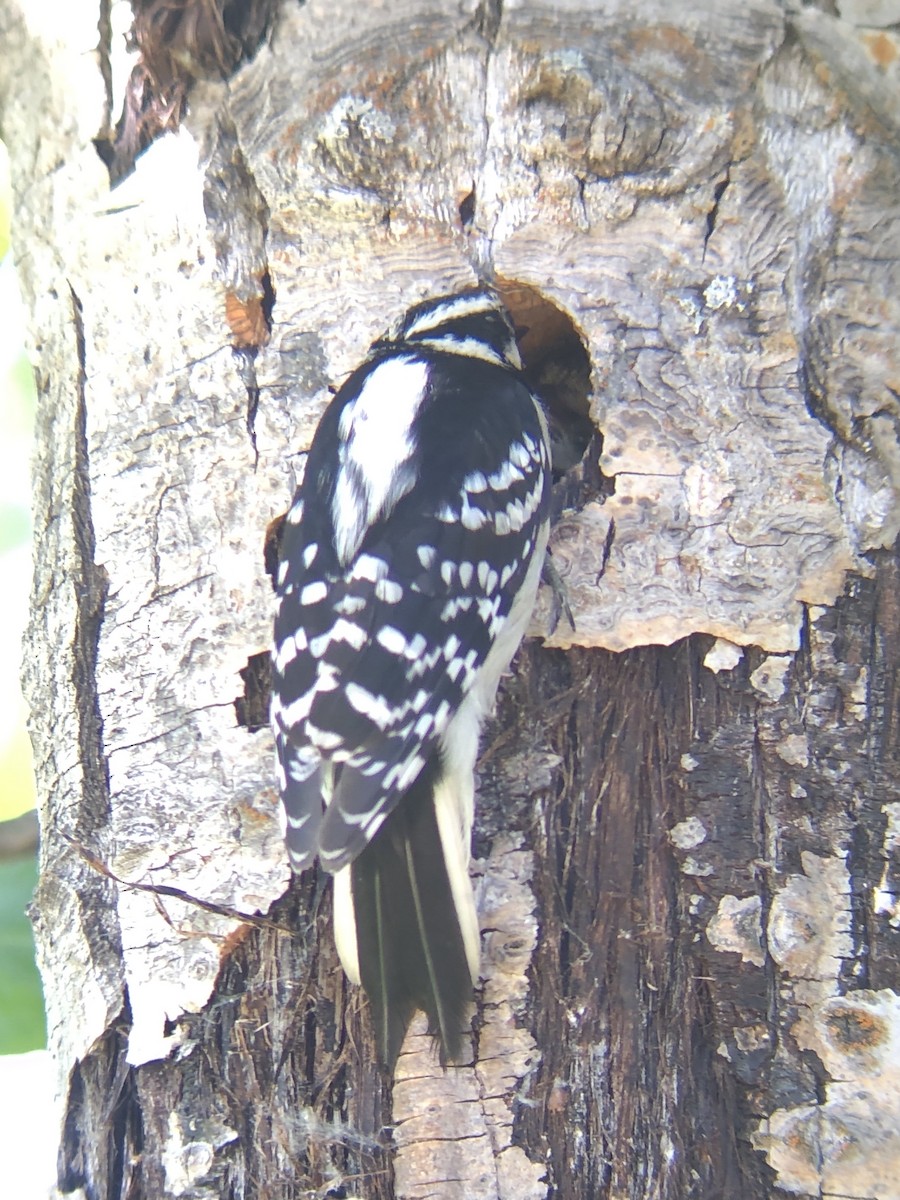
x,y
556,366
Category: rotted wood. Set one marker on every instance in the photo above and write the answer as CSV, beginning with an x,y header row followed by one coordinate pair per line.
x,y
688,815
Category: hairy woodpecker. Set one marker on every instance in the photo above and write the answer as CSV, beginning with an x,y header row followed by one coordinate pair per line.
x,y
409,565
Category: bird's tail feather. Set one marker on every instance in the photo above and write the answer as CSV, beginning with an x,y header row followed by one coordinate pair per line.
x,y
414,920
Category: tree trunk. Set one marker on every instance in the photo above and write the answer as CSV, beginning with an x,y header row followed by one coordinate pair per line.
x,y
688,805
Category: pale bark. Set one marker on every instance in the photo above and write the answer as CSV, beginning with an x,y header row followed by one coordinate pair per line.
x,y
689,804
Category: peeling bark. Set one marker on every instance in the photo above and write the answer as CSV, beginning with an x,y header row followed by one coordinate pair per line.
x,y
688,805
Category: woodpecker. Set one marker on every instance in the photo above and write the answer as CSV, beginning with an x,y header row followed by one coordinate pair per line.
x,y
409,566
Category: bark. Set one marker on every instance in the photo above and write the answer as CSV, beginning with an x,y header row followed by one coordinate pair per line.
x,y
688,805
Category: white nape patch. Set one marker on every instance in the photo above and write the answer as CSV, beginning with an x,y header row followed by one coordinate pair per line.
x,y
376,708
452,309
427,555
376,444
469,347
313,593
389,591
392,640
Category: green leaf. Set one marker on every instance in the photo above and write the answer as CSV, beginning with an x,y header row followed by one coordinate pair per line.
x,y
22,396
22,1025
15,525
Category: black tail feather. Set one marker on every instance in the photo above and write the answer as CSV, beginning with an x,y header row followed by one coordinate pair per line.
x,y
411,950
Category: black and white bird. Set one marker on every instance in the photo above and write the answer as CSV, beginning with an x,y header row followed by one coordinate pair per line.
x,y
410,561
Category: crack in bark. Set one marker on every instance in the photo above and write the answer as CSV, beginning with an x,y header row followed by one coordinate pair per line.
x,y
163,889
247,371
488,16
713,214
104,57
91,587
95,1108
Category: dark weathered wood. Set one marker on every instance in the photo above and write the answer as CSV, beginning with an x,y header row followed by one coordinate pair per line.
x,y
666,1037
688,816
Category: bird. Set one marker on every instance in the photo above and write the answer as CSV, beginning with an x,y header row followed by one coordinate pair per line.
x,y
409,565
